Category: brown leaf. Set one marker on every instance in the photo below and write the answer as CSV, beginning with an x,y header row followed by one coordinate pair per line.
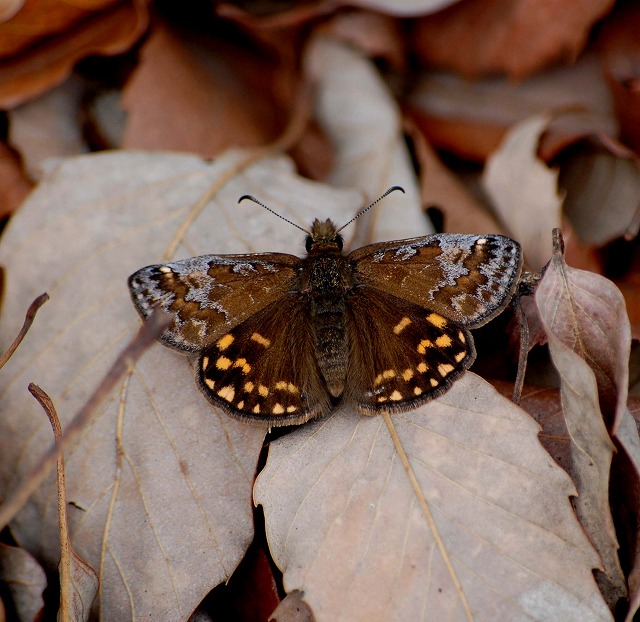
x,y
441,189
44,50
25,580
13,183
346,526
589,341
470,117
514,37
191,94
618,42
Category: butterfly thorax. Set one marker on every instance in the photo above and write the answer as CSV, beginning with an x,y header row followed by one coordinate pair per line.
x,y
326,278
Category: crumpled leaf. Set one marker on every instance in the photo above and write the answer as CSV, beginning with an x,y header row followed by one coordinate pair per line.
x,y
160,484
589,340
524,189
345,525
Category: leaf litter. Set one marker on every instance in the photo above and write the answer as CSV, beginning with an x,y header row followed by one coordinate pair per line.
x,y
130,492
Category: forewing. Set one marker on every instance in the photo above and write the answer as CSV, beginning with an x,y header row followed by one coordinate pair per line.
x,y
466,278
211,294
402,355
265,368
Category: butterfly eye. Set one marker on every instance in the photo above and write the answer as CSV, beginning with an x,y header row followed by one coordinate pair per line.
x,y
308,243
339,242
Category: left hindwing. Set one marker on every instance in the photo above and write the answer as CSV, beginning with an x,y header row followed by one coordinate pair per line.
x,y
265,368
402,355
467,278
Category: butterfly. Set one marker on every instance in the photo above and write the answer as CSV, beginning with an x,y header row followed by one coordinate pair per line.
x,y
282,339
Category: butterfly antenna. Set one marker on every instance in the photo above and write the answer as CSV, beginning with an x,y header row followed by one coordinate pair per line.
x,y
362,211
250,198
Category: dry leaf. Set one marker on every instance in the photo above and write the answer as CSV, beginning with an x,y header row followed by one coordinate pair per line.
x,y
49,49
356,111
470,117
440,188
13,183
93,221
206,97
589,340
48,127
629,497
514,37
602,189
524,190
345,525
25,580
293,608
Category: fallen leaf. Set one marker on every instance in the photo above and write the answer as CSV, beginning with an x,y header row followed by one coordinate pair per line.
x,y
204,96
358,114
156,450
49,50
512,37
602,191
345,525
293,608
441,189
627,488
47,127
471,117
524,190
24,579
589,341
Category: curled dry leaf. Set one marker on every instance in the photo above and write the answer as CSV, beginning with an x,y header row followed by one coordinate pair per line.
x,y
524,189
156,449
346,526
602,185
589,340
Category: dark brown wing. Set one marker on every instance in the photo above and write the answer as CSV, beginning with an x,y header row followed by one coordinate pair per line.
x,y
466,278
402,355
265,368
211,294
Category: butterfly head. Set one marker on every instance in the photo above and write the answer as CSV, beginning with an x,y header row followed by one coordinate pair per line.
x,y
323,237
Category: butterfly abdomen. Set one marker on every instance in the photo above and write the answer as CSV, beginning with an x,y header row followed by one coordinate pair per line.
x,y
328,280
